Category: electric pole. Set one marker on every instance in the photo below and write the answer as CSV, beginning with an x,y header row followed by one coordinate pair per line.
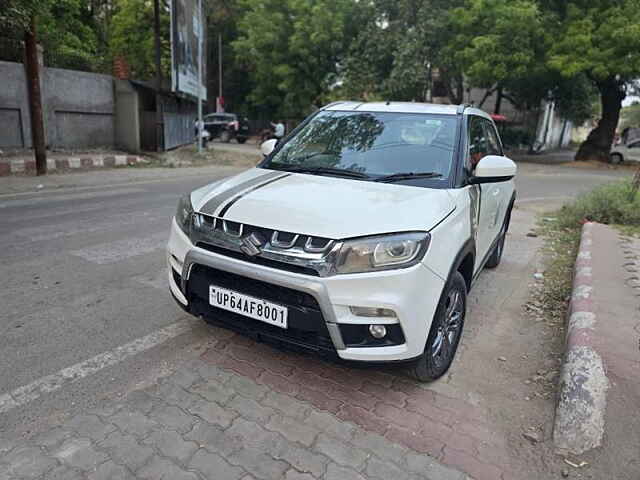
x,y
158,57
200,35
32,67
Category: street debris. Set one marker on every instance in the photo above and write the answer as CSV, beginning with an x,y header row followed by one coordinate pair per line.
x,y
531,436
502,359
538,276
565,472
575,465
532,235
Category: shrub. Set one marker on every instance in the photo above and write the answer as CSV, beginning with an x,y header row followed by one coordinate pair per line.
x,y
610,203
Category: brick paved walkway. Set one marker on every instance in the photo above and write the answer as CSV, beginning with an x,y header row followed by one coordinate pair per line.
x,y
246,410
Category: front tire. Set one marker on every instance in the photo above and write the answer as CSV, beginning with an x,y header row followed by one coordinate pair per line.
x,y
225,137
445,332
615,159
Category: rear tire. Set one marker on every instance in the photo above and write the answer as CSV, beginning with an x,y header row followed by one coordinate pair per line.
x,y
225,137
241,140
445,332
498,250
615,159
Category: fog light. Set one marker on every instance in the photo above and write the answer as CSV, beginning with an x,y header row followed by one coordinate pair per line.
x,y
377,331
372,312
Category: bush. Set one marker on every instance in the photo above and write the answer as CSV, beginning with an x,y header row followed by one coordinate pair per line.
x,y
514,137
610,203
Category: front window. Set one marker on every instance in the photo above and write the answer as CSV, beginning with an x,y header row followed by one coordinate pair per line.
x,y
416,149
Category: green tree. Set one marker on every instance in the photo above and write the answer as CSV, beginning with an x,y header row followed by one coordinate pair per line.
x,y
132,36
600,39
293,49
500,46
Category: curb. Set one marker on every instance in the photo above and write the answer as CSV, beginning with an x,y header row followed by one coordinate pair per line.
x,y
10,167
579,420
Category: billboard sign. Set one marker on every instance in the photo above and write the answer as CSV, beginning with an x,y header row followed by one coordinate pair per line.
x,y
186,29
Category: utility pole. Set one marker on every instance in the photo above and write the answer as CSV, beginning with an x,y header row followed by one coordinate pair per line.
x,y
220,100
35,96
156,31
200,35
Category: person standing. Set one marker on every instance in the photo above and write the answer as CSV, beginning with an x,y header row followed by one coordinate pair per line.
x,y
278,129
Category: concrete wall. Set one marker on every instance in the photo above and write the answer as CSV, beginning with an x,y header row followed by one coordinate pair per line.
x,y
78,108
127,119
15,125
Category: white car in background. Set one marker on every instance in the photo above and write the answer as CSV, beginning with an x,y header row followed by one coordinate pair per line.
x,y
626,152
358,237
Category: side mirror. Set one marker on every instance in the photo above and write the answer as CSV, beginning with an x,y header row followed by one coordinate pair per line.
x,y
268,146
493,169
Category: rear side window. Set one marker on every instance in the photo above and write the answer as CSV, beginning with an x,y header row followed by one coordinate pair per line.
x,y
493,143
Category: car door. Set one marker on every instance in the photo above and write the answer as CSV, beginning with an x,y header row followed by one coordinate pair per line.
x,y
480,194
632,151
497,193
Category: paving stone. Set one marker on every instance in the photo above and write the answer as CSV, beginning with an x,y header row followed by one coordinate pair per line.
x,y
140,400
427,467
183,377
247,387
295,475
125,450
110,471
173,394
379,446
214,439
330,425
250,409
258,464
63,472
251,434
336,472
302,459
51,438
164,469
171,444
340,452
213,391
212,412
28,462
134,423
211,372
172,417
214,467
287,405
293,430
79,453
6,445
384,470
90,426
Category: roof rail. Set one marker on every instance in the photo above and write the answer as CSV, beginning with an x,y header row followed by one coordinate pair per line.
x,y
462,107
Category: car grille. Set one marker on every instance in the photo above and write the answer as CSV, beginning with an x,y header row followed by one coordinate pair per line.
x,y
306,330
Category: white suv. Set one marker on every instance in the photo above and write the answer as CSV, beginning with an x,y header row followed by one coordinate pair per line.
x,y
358,236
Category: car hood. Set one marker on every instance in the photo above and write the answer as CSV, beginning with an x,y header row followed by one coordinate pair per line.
x,y
322,206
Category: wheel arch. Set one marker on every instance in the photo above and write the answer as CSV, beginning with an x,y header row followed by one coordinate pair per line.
x,y
464,262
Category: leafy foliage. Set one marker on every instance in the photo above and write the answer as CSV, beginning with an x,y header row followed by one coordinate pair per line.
x,y
293,49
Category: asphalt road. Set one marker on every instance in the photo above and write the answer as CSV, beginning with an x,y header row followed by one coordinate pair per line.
x,y
83,273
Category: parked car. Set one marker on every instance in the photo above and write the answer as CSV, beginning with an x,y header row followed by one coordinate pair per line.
x,y
626,152
358,237
227,126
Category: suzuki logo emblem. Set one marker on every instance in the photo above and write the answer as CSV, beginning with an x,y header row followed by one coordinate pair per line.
x,y
252,245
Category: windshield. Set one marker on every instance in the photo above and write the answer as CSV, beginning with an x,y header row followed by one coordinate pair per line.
x,y
373,144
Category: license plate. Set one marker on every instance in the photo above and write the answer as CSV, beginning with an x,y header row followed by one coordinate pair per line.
x,y
251,307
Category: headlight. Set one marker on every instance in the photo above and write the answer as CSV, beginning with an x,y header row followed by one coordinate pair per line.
x,y
384,252
184,212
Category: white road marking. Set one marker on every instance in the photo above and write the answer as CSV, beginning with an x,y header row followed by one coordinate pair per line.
x,y
75,227
72,196
50,383
113,252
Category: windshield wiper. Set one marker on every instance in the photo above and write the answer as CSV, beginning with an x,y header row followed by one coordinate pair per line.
x,y
325,170
407,176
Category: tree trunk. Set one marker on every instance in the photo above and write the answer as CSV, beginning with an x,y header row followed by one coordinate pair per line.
x,y
498,106
597,146
35,97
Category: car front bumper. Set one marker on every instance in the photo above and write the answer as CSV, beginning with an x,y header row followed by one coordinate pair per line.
x,y
412,293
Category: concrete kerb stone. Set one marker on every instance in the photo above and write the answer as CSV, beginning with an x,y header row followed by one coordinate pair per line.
x,y
20,166
579,420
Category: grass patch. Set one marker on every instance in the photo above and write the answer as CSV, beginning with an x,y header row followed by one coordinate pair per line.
x,y
560,251
611,203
